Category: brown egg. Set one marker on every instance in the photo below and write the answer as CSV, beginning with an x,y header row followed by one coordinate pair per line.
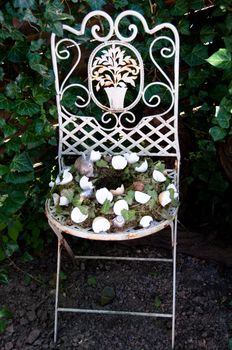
x,y
138,186
84,166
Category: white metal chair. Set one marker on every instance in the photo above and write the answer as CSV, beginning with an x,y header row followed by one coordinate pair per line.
x,y
144,121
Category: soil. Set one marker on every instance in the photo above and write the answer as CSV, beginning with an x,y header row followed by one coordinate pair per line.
x,y
202,312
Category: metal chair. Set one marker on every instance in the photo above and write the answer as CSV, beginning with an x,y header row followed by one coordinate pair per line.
x,y
139,114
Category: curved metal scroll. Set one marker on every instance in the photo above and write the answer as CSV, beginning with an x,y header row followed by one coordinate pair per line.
x,y
119,127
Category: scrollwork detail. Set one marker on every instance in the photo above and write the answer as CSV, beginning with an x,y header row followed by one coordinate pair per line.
x,y
108,121
157,97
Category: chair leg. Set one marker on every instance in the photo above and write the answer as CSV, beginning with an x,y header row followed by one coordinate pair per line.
x,y
174,238
57,288
63,241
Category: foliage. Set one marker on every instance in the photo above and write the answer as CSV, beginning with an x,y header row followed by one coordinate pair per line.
x,y
28,115
5,317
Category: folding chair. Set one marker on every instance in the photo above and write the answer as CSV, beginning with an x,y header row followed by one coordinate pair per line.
x,y
138,114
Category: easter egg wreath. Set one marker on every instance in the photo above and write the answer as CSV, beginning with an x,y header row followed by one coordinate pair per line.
x,y
111,193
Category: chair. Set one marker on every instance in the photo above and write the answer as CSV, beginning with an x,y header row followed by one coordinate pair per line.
x,y
140,114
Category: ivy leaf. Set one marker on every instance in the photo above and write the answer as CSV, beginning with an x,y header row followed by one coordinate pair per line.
x,y
129,215
105,209
24,4
130,197
21,162
119,4
14,202
5,103
217,133
3,169
15,178
14,228
4,279
223,118
18,52
220,59
102,164
26,107
96,5
196,55
207,34
180,8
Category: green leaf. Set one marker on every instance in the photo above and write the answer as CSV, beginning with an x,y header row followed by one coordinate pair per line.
x,y
220,59
194,56
157,302
107,205
18,52
207,34
102,163
21,162
3,169
119,4
24,4
197,4
96,4
92,281
180,8
130,197
5,313
217,133
14,228
129,215
223,118
11,248
26,107
14,202
26,257
5,103
230,344
4,278
3,325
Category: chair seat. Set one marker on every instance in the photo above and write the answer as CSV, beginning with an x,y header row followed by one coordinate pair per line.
x,y
59,221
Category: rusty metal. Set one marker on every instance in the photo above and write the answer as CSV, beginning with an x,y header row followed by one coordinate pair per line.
x,y
117,125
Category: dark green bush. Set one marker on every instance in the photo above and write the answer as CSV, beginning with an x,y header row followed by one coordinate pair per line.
x,y
28,116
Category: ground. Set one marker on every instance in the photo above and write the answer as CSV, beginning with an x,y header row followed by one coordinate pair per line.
x,y
202,313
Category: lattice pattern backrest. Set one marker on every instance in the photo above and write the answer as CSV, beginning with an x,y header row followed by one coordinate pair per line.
x,y
111,99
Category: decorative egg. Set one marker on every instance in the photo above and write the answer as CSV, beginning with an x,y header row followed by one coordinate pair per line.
x,y
100,224
64,201
118,221
158,176
118,191
84,166
131,157
138,186
85,184
56,198
142,197
77,216
95,156
173,187
66,178
142,168
145,221
164,198
102,194
119,206
118,162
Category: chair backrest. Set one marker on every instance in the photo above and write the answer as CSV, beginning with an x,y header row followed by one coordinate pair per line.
x,y
117,86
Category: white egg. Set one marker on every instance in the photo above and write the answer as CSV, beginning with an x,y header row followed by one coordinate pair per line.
x,y
77,216
95,156
103,194
85,184
142,197
100,224
118,162
119,206
158,176
131,157
164,198
146,221
142,168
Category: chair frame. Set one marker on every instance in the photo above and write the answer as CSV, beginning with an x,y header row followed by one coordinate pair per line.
x,y
70,144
